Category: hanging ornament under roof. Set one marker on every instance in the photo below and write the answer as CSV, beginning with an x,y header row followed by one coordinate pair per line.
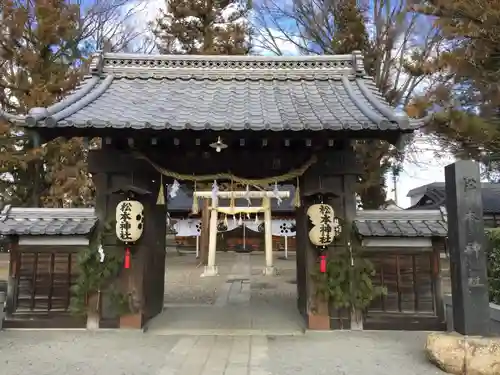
x,y
276,194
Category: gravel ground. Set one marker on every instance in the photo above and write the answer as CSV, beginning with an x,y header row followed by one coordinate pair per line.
x,y
134,353
80,352
282,286
183,284
351,353
130,353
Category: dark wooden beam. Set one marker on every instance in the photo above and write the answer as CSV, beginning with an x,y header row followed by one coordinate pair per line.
x,y
243,163
199,138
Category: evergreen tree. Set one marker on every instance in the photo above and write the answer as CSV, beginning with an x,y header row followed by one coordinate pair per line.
x,y
466,102
209,27
396,44
350,34
39,54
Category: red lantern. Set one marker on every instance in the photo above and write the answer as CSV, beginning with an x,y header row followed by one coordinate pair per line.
x,y
127,258
322,263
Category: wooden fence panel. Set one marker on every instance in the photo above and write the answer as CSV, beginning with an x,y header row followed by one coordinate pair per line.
x,y
44,279
410,281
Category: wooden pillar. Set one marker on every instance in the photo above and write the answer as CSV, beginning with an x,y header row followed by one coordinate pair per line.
x,y
333,177
204,235
113,169
300,259
211,268
268,237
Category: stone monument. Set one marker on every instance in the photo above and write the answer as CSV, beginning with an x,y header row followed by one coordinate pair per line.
x,y
467,249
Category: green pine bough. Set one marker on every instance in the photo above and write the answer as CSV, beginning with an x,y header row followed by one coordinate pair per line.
x,y
493,264
96,277
347,283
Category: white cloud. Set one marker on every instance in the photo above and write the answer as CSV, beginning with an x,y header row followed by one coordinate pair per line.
x,y
267,43
424,165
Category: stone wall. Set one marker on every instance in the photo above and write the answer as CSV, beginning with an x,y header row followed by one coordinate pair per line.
x,y
494,313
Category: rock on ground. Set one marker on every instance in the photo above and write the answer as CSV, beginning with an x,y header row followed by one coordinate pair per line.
x,y
459,355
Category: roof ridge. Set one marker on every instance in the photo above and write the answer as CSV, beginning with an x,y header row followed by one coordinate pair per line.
x,y
52,213
399,215
5,212
126,63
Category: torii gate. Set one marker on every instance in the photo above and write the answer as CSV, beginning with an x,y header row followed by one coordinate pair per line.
x,y
266,196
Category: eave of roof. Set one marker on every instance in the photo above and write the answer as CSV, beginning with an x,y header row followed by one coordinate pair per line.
x,y
436,194
47,221
224,93
413,223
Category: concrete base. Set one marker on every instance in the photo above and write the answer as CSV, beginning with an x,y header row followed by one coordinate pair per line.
x,y
356,321
269,271
131,321
210,271
318,322
93,321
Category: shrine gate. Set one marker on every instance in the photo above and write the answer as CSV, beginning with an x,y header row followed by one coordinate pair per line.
x,y
279,120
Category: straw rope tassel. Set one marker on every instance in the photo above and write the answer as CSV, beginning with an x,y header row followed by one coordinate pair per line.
x,y
296,198
195,209
160,201
228,176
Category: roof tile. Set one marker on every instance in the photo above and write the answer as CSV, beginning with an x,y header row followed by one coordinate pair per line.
x,y
225,93
47,221
412,223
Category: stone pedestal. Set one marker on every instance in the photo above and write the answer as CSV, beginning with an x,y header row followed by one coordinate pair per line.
x,y
210,271
270,271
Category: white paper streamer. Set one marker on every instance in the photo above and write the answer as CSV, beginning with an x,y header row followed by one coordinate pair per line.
x,y
276,194
215,190
100,250
174,189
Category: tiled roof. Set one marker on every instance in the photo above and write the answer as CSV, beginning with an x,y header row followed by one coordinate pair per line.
x,y
46,221
224,93
434,196
413,223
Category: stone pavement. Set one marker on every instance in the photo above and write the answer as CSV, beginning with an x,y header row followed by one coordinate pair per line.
x,y
244,303
134,353
183,285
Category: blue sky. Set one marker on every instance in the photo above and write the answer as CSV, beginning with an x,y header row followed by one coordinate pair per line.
x,y
423,167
